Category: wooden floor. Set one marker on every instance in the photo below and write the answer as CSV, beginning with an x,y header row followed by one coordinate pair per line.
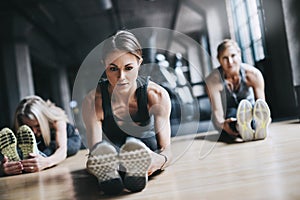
x,y
203,169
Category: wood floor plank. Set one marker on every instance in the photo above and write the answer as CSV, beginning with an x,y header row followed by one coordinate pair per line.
x,y
203,169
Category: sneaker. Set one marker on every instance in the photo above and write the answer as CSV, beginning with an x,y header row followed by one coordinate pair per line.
x,y
261,117
26,141
8,144
103,163
244,118
136,159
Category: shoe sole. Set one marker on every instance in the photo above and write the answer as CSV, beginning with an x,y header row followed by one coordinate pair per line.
x,y
136,159
103,162
8,145
244,118
261,116
26,141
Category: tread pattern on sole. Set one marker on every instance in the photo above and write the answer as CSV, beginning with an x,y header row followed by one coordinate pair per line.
x,y
244,117
26,141
103,162
136,159
8,145
261,116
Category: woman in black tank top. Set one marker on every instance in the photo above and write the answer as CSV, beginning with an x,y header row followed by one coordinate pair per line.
x,y
127,120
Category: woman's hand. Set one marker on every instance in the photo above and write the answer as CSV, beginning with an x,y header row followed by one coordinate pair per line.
x,y
11,167
227,127
35,163
157,162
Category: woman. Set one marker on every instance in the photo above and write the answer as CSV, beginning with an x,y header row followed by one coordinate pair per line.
x,y
44,138
127,120
236,92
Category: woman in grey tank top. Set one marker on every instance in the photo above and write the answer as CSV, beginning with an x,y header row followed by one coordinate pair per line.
x,y
236,92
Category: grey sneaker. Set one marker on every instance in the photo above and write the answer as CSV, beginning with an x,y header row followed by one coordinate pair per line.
x,y
261,116
103,162
244,119
8,144
135,157
26,141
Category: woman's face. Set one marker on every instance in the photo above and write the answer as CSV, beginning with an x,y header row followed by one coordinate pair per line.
x,y
33,124
230,59
122,70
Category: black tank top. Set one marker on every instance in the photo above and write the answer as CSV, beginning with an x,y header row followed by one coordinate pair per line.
x,y
142,124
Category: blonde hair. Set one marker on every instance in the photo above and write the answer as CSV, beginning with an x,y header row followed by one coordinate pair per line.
x,y
122,41
45,112
225,44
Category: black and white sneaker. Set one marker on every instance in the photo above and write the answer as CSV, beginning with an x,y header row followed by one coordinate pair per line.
x,y
261,116
103,162
26,141
135,157
244,119
8,145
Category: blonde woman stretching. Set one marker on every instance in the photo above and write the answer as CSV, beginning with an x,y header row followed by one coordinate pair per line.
x,y
43,139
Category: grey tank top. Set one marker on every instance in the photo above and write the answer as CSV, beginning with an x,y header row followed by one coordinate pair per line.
x,y
233,98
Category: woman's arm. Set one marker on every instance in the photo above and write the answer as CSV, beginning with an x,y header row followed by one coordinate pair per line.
x,y
255,79
214,88
38,162
92,114
60,153
160,107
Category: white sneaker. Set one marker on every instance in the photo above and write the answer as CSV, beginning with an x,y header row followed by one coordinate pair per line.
x,y
244,118
135,157
8,144
103,162
261,117
26,141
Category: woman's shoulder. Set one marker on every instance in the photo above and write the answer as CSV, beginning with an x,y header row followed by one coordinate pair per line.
x,y
214,76
155,88
156,92
251,71
94,97
249,68
93,94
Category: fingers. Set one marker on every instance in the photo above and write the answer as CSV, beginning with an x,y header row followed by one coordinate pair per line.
x,y
30,169
33,155
12,168
30,165
227,127
18,167
5,159
231,119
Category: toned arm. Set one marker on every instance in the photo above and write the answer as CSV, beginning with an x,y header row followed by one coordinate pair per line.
x,y
255,79
160,107
92,115
214,89
60,153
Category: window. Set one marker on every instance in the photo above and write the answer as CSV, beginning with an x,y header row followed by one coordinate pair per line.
x,y
247,24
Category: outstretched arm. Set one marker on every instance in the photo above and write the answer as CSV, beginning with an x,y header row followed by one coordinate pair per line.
x,y
36,162
91,114
214,88
255,79
160,108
